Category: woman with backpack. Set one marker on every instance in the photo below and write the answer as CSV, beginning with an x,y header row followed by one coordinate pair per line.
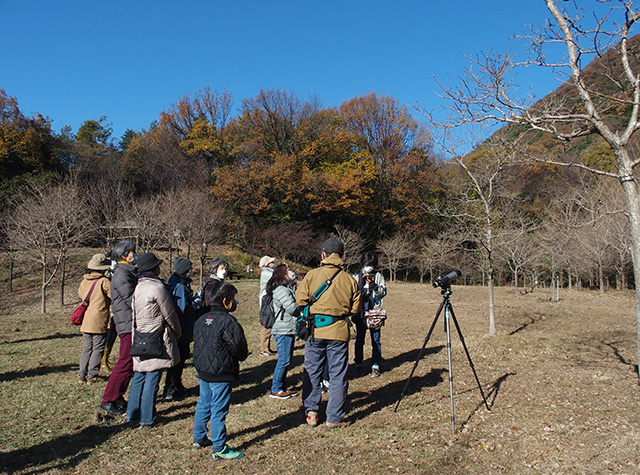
x,y
284,327
96,318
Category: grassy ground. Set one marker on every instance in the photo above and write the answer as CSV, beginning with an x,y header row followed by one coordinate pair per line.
x,y
559,379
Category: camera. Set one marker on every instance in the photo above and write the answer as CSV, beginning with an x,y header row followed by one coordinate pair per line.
x,y
445,279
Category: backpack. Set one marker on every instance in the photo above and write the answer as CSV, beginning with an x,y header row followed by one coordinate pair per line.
x,y
267,314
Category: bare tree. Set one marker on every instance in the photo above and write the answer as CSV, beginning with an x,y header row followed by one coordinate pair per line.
x,y
50,221
395,250
354,245
488,94
148,218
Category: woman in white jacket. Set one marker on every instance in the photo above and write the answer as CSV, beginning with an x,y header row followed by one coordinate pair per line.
x,y
152,310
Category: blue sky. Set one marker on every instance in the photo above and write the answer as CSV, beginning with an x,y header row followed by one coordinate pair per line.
x,y
73,61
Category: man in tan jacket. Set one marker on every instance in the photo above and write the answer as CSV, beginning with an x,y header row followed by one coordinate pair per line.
x,y
329,343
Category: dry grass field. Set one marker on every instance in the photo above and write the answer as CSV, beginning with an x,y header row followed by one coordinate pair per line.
x,y
559,378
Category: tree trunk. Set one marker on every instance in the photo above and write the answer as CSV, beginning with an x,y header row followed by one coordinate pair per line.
x,y
10,274
63,274
601,275
43,296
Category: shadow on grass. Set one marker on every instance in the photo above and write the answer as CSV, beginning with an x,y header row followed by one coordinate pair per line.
x,y
55,336
621,358
492,395
70,450
39,371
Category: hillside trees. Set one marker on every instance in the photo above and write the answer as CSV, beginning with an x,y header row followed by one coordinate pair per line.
x,y
487,94
27,144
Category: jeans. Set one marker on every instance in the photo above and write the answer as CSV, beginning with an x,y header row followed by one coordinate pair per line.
x,y
142,397
335,354
122,372
213,407
284,343
92,349
376,346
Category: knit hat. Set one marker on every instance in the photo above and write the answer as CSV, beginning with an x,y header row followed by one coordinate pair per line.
x,y
266,260
181,265
148,261
99,262
333,245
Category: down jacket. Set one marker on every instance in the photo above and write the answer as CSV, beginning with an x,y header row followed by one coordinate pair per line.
x,y
286,310
152,310
97,315
218,345
123,283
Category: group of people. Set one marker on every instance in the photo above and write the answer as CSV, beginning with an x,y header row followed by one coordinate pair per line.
x,y
137,302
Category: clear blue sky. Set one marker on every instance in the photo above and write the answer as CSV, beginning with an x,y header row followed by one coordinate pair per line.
x,y
128,60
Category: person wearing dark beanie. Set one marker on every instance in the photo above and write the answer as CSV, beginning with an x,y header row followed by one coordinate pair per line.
x,y
182,296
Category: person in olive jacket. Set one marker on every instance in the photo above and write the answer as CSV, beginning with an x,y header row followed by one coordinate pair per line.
x,y
219,346
96,318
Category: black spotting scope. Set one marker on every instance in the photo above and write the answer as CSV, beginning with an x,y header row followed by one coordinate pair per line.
x,y
444,280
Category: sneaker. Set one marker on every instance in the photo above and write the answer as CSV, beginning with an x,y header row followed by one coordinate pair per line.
x,y
227,454
266,353
285,394
335,425
202,444
375,372
96,379
324,386
312,419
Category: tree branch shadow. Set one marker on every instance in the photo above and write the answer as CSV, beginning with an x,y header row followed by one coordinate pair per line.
x,y
621,358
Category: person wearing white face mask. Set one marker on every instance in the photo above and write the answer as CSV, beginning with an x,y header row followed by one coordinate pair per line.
x,y
218,271
373,289
267,264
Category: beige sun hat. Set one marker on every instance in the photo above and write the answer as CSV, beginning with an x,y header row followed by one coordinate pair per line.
x,y
99,262
266,260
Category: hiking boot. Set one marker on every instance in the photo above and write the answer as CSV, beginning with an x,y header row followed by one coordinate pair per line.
x,y
312,419
324,386
227,454
284,394
120,403
111,409
202,444
375,371
335,425
96,379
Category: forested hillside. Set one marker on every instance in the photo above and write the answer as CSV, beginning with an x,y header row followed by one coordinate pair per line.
x,y
283,172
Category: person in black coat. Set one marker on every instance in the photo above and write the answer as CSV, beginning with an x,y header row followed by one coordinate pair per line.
x,y
219,346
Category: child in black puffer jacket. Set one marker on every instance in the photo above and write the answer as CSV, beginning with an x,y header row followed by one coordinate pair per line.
x,y
219,346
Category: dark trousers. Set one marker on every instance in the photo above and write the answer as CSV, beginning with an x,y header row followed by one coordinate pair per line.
x,y
122,372
173,382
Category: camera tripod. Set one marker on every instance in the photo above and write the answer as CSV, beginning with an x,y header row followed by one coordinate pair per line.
x,y
448,315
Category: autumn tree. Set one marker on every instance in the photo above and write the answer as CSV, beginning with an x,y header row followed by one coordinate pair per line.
x,y
27,144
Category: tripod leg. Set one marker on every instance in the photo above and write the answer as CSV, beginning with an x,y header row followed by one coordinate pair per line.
x,y
424,345
464,345
447,327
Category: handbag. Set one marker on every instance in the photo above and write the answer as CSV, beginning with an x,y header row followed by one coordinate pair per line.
x,y
77,316
146,345
375,318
